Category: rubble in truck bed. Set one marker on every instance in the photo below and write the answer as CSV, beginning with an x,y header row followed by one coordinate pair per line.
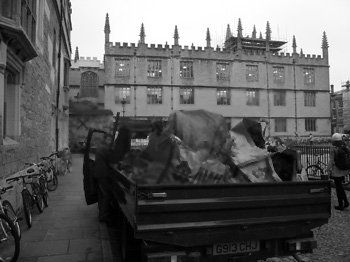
x,y
196,147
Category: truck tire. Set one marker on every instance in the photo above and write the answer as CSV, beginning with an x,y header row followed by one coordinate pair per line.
x,y
130,248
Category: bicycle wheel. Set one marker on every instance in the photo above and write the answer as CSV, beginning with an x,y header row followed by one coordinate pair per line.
x,y
38,197
27,203
10,242
346,180
43,190
10,212
45,196
52,181
314,172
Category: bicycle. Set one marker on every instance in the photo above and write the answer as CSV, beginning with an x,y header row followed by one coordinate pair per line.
x,y
49,167
29,198
316,171
41,179
10,232
64,163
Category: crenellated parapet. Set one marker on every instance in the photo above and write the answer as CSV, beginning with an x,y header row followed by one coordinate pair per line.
x,y
199,52
91,62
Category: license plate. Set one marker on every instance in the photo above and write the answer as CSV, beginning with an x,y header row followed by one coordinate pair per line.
x,y
236,247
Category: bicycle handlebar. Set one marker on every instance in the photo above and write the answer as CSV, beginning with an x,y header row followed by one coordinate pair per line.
x,y
4,189
53,154
22,177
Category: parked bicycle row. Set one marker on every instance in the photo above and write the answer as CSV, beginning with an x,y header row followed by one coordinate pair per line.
x,y
36,181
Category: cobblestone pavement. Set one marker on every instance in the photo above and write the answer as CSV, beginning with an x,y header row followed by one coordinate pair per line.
x,y
333,239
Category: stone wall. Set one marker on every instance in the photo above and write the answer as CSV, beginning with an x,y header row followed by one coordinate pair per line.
x,y
37,100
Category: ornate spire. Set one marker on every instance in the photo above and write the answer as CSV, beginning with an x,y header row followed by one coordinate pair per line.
x,y
176,36
254,32
76,56
294,45
268,31
208,38
142,34
325,46
260,36
239,28
228,32
324,41
107,29
301,51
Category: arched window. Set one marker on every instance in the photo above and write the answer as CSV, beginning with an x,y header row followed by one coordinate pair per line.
x,y
89,84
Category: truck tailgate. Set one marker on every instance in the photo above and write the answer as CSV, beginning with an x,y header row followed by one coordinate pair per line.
x,y
204,214
192,215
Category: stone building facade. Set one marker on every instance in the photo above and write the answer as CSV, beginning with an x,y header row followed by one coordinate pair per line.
x,y
340,105
249,77
86,100
35,55
86,80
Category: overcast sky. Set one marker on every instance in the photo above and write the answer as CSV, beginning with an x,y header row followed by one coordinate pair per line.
x,y
306,19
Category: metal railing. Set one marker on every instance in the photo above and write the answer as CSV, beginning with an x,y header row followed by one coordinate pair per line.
x,y
311,154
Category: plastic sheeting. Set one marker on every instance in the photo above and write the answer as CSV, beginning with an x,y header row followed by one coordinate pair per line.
x,y
196,147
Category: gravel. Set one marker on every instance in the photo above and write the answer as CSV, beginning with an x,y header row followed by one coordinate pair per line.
x,y
333,239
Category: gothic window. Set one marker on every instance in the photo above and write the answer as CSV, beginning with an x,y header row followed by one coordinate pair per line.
x,y
279,98
222,71
89,84
154,95
252,97
280,125
28,18
309,76
154,68
186,95
122,95
223,96
278,74
252,73
310,124
122,67
309,98
11,107
186,69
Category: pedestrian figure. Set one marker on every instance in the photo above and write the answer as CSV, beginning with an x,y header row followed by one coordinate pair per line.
x,y
338,166
311,139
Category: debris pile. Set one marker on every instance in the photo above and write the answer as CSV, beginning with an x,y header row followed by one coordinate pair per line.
x,y
196,147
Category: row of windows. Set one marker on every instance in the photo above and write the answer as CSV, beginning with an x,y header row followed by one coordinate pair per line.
x,y
281,125
223,96
154,70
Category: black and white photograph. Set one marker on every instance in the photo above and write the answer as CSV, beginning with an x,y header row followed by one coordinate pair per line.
x,y
174,131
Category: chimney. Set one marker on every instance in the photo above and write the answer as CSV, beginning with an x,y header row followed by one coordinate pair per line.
x,y
332,89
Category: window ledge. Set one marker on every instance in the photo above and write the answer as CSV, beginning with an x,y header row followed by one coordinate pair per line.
x,y
8,142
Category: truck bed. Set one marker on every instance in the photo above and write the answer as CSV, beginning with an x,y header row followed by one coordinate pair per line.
x,y
194,215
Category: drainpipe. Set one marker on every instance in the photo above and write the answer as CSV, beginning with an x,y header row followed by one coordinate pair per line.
x,y
59,76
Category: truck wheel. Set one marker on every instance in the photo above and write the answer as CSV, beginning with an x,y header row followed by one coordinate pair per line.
x,y
130,250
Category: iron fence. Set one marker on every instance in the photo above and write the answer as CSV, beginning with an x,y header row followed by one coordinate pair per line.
x,y
312,154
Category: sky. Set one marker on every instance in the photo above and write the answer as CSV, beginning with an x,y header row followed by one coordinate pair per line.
x,y
306,19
